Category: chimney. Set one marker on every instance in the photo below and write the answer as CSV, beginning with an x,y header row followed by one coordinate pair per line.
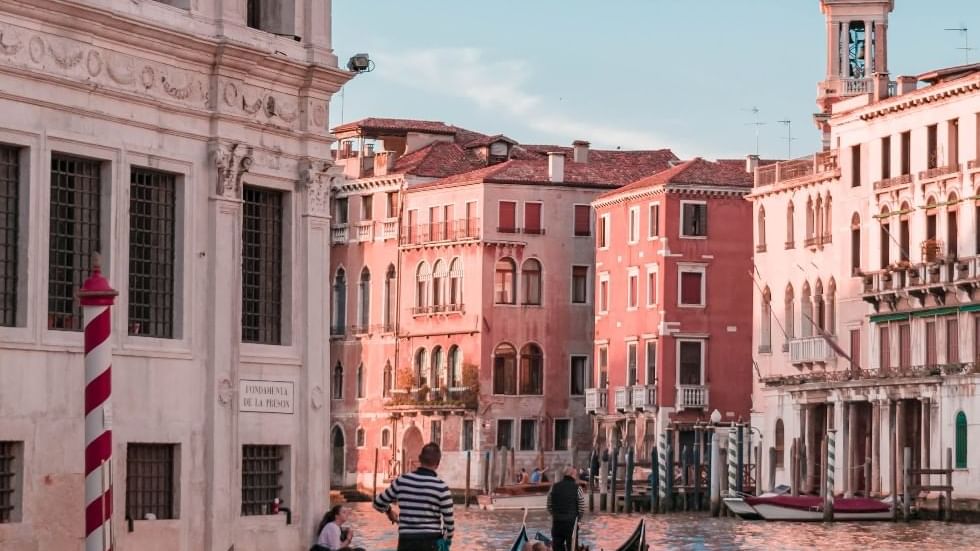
x,y
906,85
751,163
880,86
580,151
556,166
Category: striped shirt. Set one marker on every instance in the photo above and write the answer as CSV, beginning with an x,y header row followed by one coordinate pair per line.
x,y
425,505
564,509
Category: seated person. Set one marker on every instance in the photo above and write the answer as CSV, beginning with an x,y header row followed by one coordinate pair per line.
x,y
536,476
522,478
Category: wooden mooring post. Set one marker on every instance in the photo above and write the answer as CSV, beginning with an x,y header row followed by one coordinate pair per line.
x,y
593,461
628,494
374,491
654,481
914,485
614,506
906,484
715,469
603,479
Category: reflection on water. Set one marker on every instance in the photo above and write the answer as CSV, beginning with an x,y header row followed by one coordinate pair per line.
x,y
491,531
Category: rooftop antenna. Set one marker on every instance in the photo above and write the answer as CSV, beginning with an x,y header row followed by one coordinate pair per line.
x,y
966,42
789,137
755,113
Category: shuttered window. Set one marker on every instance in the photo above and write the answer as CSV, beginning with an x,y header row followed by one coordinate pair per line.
x,y
532,218
961,440
952,341
507,217
691,288
583,216
695,220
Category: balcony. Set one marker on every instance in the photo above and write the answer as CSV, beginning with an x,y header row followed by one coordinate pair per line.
x,y
364,231
893,182
389,228
939,172
788,174
692,397
440,232
622,398
644,397
428,401
595,401
338,234
810,350
937,277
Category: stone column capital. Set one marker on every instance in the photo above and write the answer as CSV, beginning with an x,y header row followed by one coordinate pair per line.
x,y
232,160
317,176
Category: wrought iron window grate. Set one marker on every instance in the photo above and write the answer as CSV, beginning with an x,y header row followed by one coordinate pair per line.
x,y
261,478
9,222
152,206
150,481
7,479
74,235
262,266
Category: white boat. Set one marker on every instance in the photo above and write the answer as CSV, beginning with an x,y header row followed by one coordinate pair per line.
x,y
527,499
810,508
738,506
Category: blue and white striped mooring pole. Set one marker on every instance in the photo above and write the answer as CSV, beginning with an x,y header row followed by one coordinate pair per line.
x,y
828,504
662,453
732,462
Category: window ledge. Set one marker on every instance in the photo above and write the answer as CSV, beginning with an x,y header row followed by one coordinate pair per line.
x,y
692,306
693,236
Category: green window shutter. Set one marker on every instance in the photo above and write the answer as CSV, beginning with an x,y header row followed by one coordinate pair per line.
x,y
961,440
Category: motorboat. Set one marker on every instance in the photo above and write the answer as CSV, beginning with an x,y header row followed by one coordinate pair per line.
x,y
810,508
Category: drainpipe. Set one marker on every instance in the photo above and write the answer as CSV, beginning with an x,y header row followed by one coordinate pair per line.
x,y
398,306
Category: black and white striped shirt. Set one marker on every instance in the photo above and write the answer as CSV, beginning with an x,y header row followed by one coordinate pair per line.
x,y
425,505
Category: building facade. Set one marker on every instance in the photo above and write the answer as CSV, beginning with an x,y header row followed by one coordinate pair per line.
x,y
883,353
479,332
201,177
672,296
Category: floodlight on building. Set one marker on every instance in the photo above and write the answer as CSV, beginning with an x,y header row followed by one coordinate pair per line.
x,y
360,63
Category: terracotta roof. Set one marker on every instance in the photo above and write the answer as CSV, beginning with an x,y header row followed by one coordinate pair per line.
x,y
604,169
697,171
436,160
948,73
396,125
487,140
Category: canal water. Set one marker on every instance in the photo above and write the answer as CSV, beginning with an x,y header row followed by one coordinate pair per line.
x,y
492,531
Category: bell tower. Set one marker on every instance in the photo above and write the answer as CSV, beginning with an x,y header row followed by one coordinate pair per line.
x,y
856,51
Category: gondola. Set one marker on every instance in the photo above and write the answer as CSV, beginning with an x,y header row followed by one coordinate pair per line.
x,y
636,542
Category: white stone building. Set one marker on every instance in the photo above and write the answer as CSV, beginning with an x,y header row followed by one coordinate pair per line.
x,y
887,269
186,141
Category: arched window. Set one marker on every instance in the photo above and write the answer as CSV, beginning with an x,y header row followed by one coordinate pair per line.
x,y
438,377
421,379
531,278
504,369
339,302
455,367
830,317
504,280
904,235
389,380
338,382
360,381
961,440
855,244
385,437
359,437
765,333
818,219
364,306
809,218
884,238
828,228
806,312
789,313
778,443
790,238
391,294
422,277
439,275
952,225
819,307
761,243
456,283
532,370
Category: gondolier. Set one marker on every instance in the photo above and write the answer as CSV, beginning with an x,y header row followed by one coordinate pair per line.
x,y
566,503
425,505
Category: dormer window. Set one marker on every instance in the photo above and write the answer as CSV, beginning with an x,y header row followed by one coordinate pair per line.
x,y
498,152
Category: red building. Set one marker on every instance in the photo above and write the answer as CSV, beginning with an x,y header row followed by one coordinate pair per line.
x,y
673,329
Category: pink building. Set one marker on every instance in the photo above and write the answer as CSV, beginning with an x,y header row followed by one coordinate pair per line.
x,y
673,303
486,341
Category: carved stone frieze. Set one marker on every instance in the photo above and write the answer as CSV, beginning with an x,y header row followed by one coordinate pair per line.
x,y
10,46
317,176
232,161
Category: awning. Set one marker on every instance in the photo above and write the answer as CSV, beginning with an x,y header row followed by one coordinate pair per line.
x,y
970,307
884,318
947,311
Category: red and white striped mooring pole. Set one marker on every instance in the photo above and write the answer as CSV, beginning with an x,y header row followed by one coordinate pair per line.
x,y
96,298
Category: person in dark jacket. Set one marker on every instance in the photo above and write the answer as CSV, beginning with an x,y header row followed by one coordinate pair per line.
x,y
566,503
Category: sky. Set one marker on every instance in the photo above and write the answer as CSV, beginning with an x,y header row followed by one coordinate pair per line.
x,y
635,74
